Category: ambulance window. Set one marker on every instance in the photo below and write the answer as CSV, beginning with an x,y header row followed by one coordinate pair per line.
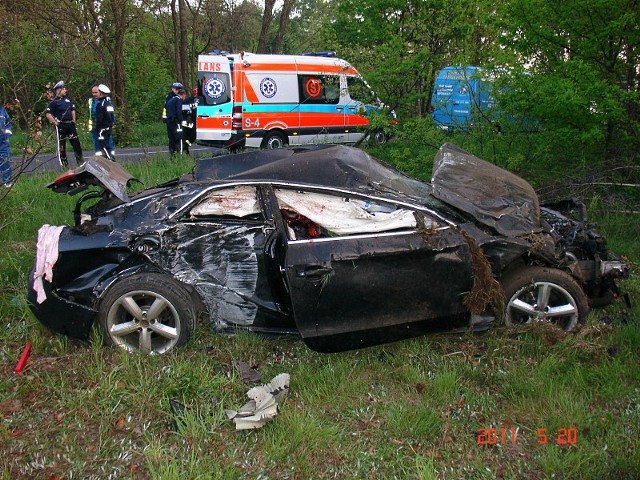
x,y
215,88
360,91
319,89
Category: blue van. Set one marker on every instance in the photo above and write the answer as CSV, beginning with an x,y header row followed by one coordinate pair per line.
x,y
460,95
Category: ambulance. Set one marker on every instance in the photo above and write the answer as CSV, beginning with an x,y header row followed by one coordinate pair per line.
x,y
269,101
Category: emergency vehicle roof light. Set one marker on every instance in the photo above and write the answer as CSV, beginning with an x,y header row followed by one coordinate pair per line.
x,y
320,54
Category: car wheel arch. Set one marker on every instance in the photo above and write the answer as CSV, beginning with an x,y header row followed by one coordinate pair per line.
x,y
104,285
147,311
563,291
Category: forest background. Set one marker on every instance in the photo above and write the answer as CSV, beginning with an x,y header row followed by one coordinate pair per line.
x,y
573,66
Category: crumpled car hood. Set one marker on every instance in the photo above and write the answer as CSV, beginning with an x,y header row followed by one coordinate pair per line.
x,y
493,196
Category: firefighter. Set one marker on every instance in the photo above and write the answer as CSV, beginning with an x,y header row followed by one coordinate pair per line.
x,y
104,121
61,113
189,108
5,149
174,122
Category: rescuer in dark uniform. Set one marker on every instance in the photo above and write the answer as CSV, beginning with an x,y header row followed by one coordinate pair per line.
x,y
105,116
61,112
174,122
189,111
174,91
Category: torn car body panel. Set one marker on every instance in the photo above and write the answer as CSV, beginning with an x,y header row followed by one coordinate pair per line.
x,y
493,196
325,242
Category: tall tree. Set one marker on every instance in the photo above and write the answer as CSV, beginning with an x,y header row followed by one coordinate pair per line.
x,y
267,18
100,26
584,57
282,27
399,45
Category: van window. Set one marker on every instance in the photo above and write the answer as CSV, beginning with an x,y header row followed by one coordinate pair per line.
x,y
316,89
360,91
215,87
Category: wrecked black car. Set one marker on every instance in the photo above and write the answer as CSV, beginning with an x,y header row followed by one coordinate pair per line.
x,y
324,242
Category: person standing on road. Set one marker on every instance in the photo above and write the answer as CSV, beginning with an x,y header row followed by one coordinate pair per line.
x,y
5,149
61,113
189,112
92,103
174,122
105,115
174,91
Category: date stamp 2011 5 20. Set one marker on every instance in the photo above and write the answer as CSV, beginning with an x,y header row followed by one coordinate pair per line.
x,y
509,435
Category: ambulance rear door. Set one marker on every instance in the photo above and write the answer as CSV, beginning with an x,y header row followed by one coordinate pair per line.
x,y
214,121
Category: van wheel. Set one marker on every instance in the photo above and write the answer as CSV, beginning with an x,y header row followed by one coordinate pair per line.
x,y
539,294
274,140
379,137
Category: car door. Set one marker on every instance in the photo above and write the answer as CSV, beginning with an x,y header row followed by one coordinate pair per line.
x,y
371,284
217,245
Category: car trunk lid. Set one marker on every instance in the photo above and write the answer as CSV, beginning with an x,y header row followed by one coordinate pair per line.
x,y
97,171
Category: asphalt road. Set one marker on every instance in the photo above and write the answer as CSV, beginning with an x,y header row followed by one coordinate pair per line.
x,y
46,162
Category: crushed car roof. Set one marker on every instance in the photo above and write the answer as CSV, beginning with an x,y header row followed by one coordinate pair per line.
x,y
335,166
491,195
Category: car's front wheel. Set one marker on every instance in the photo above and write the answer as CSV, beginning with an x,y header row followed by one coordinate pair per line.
x,y
148,313
540,294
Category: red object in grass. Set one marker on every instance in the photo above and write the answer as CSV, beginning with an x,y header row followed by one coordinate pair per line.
x,y
24,357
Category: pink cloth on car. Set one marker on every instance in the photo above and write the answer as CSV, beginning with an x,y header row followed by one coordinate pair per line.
x,y
46,258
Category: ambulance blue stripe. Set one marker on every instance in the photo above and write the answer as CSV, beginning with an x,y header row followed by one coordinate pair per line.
x,y
290,107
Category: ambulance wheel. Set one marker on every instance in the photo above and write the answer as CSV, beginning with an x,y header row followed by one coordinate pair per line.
x,y
274,140
379,137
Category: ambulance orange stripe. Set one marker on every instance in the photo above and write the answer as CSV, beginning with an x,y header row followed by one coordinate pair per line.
x,y
249,92
214,122
291,67
303,120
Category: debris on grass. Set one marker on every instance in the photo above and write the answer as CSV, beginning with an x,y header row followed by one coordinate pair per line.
x,y
247,373
23,358
263,404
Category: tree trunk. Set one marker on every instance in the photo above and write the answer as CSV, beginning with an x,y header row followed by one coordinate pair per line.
x,y
183,75
284,22
119,8
267,18
176,38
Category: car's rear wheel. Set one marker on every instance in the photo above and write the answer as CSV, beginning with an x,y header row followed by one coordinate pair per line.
x,y
274,140
148,313
539,294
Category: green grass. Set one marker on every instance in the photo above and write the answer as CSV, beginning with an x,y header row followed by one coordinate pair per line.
x,y
406,410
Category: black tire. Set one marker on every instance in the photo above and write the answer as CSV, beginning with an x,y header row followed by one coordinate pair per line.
x,y
378,138
544,295
274,140
148,313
